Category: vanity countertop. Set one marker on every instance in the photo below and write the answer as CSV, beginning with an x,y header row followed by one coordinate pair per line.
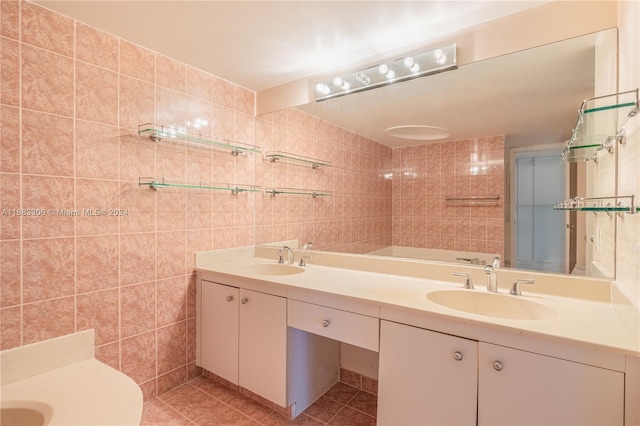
x,y
588,322
60,379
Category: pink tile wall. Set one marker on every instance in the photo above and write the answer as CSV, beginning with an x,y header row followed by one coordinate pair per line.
x,y
71,98
423,176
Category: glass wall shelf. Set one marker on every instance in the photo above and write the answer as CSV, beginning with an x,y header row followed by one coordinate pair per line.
x,y
274,156
598,124
157,132
294,191
600,204
154,184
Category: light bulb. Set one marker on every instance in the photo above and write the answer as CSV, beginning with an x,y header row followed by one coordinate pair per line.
x,y
408,62
415,68
337,82
390,74
439,56
322,89
363,78
383,69
345,85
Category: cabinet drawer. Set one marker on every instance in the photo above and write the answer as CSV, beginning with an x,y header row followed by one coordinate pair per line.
x,y
355,329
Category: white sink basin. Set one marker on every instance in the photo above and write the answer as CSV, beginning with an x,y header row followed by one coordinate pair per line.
x,y
492,304
24,413
274,269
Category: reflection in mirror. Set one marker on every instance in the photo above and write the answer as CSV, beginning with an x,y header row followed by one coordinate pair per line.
x,y
483,191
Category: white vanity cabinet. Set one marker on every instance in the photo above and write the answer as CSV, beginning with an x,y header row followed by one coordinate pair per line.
x,y
518,387
243,338
426,378
430,378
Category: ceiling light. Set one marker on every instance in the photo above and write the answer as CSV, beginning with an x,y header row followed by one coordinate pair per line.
x,y
405,68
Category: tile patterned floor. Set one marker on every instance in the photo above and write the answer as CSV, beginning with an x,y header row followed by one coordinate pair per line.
x,y
203,402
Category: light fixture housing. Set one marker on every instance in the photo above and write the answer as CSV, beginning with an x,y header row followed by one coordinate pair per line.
x,y
405,68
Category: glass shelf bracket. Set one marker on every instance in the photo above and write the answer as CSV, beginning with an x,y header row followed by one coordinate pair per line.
x,y
157,132
274,156
597,125
155,184
294,191
597,204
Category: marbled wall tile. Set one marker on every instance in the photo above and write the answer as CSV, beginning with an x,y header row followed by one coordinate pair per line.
x,y
223,93
49,269
199,84
171,209
98,207
138,357
172,379
97,260
10,70
47,144
10,18
171,108
10,198
38,323
199,209
109,354
96,47
245,101
172,300
10,271
137,309
10,327
92,104
100,311
171,73
170,253
172,347
199,118
137,258
136,102
171,161
55,197
47,81
191,339
139,202
9,139
137,62
96,150
136,156
223,122
47,29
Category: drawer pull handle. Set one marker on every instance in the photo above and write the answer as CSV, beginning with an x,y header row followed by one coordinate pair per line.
x,y
497,365
325,323
229,298
244,300
458,356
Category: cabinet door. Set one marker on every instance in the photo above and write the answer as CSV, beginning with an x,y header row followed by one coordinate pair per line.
x,y
531,389
426,378
219,330
263,345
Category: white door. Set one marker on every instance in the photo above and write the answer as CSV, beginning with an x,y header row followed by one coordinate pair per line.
x,y
426,378
219,330
263,345
531,389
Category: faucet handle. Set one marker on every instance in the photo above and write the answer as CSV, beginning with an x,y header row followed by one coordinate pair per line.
x,y
302,260
307,246
515,290
496,262
468,284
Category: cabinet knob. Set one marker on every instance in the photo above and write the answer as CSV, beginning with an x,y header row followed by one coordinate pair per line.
x,y
244,300
458,356
497,365
229,298
325,323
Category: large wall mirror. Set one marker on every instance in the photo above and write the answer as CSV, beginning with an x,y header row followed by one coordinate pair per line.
x,y
512,114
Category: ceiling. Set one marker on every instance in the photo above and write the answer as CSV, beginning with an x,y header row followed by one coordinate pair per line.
x,y
264,44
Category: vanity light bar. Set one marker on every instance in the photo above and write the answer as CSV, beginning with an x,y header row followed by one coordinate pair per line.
x,y
394,71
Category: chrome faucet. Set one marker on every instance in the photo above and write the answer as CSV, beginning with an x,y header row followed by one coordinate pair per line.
x,y
496,262
515,290
468,284
290,257
492,280
307,246
474,261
